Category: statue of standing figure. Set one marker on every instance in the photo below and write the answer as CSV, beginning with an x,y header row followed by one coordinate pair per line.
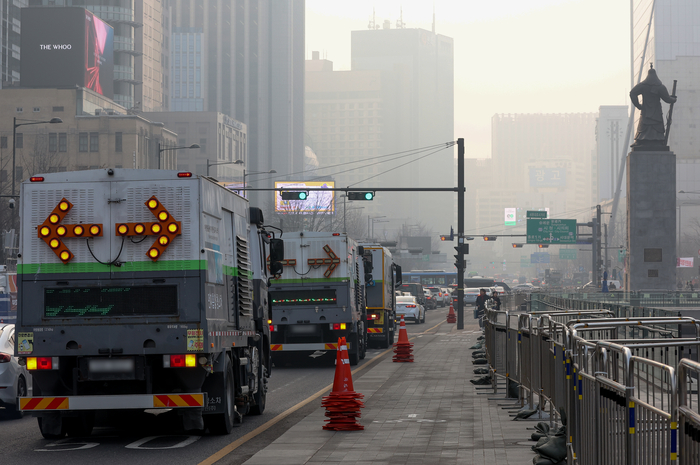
x,y
650,131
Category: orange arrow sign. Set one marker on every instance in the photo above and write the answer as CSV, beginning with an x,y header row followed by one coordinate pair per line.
x,y
332,262
52,231
166,228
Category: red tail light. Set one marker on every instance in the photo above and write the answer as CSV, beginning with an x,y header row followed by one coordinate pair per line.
x,y
336,326
410,306
272,328
373,316
177,361
184,174
44,363
36,179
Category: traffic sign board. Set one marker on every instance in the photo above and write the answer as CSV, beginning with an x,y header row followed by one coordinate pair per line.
x,y
539,257
568,254
536,214
551,231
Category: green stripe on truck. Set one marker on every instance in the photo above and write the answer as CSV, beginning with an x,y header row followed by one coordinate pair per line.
x,y
161,265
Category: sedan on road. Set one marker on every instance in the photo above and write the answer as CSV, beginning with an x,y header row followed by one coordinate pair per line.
x,y
409,307
15,380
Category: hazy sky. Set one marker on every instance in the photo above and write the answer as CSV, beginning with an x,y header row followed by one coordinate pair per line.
x,y
511,56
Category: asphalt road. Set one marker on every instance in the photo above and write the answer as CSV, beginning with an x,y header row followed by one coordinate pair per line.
x,y
154,440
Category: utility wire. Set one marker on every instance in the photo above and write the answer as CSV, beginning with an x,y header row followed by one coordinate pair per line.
x,y
407,153
401,166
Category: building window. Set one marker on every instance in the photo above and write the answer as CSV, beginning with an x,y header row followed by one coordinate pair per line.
x,y
57,109
83,142
3,142
203,145
36,109
118,142
53,142
18,172
62,142
94,141
19,140
20,109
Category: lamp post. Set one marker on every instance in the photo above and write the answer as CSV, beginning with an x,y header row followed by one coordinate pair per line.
x,y
15,125
345,209
235,162
370,220
255,172
161,150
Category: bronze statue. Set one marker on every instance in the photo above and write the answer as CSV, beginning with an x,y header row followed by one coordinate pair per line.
x,y
650,131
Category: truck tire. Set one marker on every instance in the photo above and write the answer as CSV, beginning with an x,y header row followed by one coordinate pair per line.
x,y
47,435
222,423
354,355
260,396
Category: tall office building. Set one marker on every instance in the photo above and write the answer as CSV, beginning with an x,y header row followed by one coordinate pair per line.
x,y
141,48
245,59
401,101
9,41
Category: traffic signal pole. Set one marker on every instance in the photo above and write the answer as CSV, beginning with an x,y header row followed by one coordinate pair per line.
x,y
460,233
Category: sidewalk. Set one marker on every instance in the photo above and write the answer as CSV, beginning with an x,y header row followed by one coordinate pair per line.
x,y
426,412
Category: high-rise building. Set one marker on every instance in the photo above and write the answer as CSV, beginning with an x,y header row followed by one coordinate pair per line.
x,y
417,69
611,127
10,41
245,59
141,48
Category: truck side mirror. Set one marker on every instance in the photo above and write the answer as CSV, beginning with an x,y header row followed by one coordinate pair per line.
x,y
399,278
276,256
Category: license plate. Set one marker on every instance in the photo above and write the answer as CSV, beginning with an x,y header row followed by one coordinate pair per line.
x,y
111,365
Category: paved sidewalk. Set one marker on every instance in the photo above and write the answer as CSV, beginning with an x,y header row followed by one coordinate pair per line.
x,y
426,412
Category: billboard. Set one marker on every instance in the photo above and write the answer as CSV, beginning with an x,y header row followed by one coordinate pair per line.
x,y
318,201
65,47
547,177
510,219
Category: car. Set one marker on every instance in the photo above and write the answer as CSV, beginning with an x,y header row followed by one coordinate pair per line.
x,y
442,297
470,295
430,299
416,290
409,307
15,380
447,293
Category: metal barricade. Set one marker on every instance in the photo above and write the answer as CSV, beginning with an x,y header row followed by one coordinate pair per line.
x,y
689,412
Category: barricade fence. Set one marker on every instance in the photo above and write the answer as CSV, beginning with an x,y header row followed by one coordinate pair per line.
x,y
624,383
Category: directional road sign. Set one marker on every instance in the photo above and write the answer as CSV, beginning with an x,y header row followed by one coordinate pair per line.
x,y
568,254
551,231
539,257
536,214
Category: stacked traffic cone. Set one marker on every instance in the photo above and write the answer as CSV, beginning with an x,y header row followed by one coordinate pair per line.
x,y
342,405
451,317
403,351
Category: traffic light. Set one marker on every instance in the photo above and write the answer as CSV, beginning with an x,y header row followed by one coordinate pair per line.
x,y
295,195
361,195
464,247
489,238
517,246
445,237
543,246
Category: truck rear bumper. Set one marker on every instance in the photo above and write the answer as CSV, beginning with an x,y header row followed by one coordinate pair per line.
x,y
305,347
132,401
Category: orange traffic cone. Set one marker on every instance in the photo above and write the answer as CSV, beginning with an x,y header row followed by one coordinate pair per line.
x,y
451,317
403,351
342,405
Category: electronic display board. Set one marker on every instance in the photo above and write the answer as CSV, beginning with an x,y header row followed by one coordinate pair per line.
x,y
87,302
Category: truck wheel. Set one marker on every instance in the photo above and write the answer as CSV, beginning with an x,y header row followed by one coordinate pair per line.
x,y
222,423
47,435
81,425
354,355
261,395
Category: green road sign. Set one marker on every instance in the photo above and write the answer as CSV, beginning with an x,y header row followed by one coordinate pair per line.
x,y
536,214
551,231
568,254
621,255
525,262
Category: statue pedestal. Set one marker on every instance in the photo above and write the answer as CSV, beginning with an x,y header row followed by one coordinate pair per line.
x,y
651,220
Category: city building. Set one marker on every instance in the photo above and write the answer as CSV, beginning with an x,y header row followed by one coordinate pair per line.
x,y
141,48
94,133
245,59
222,141
10,41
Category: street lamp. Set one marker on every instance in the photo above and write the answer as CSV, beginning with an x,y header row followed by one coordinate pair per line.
x,y
370,220
236,162
15,125
161,150
345,209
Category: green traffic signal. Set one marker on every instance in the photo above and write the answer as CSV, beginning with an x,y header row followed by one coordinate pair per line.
x,y
361,195
294,195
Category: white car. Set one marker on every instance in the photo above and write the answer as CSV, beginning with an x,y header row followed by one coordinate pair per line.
x,y
410,309
470,295
15,380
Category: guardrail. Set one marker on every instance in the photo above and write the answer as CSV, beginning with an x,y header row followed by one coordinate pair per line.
x,y
625,386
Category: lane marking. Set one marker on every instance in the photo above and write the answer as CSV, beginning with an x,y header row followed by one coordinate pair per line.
x,y
265,426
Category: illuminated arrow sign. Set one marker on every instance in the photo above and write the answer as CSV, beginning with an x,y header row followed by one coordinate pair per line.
x,y
332,262
53,232
166,228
